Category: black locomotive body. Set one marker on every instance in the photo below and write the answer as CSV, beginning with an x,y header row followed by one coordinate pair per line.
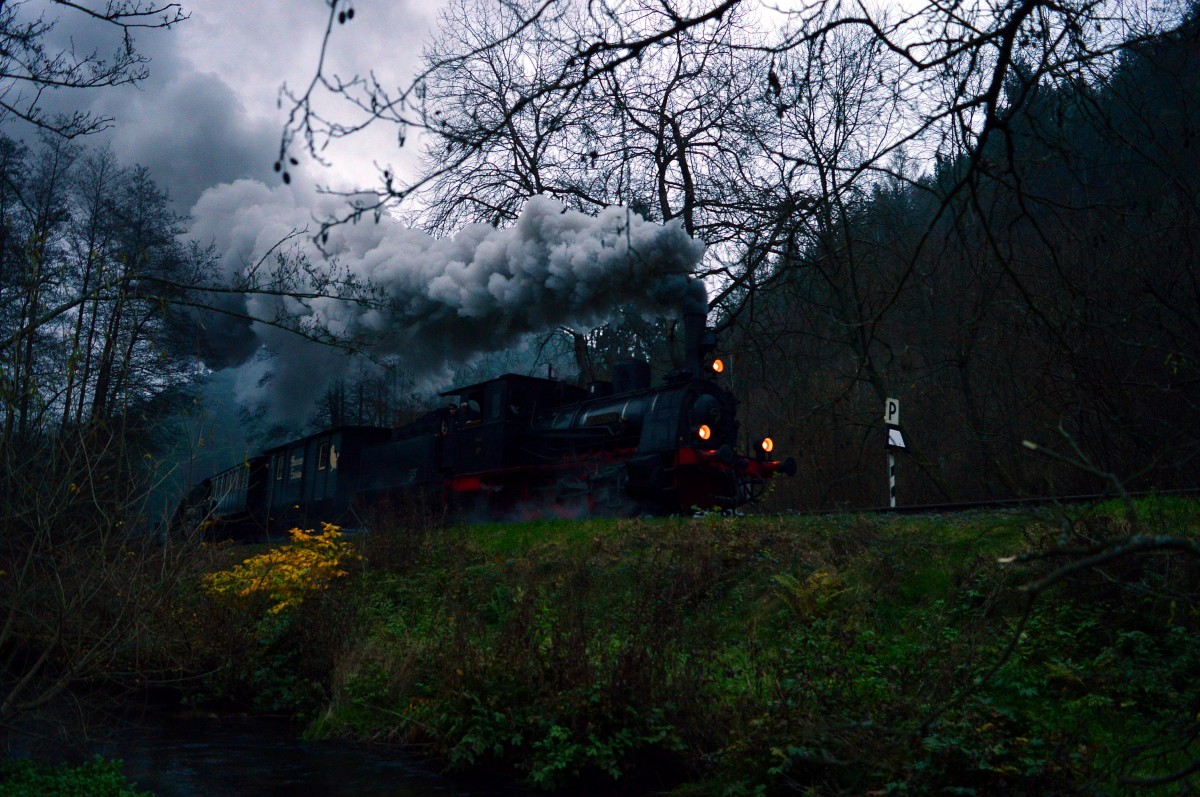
x,y
520,447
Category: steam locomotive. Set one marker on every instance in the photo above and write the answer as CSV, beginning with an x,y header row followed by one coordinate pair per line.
x,y
517,447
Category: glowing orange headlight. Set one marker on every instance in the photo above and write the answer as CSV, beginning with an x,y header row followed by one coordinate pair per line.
x,y
718,366
704,432
767,444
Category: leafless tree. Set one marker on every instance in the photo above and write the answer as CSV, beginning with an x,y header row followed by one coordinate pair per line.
x,y
638,136
31,66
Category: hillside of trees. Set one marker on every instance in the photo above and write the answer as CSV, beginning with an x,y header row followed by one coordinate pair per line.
x,y
1043,287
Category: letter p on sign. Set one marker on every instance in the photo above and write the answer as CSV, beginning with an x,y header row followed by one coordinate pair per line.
x,y
891,412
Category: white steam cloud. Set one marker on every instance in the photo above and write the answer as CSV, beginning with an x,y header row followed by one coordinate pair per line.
x,y
444,300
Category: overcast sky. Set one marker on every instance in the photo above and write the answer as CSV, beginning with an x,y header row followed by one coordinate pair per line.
x,y
208,113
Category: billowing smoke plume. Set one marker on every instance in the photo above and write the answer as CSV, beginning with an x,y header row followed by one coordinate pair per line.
x,y
443,300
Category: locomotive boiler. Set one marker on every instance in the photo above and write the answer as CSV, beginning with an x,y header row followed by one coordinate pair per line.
x,y
516,447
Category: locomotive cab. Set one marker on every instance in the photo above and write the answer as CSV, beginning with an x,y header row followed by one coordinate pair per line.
x,y
488,432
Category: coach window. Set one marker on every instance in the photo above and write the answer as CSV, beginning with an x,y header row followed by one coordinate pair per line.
x,y
323,456
279,467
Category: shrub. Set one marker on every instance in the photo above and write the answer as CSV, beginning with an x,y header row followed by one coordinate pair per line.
x,y
281,622
288,573
95,778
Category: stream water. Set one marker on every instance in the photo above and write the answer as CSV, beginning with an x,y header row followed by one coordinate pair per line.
x,y
173,757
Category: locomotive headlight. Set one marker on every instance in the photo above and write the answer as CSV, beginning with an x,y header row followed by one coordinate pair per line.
x,y
704,432
767,445
718,366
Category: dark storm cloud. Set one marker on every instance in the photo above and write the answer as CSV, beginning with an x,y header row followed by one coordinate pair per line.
x,y
207,113
185,122
192,133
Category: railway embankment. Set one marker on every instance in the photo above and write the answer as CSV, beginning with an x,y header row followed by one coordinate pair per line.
x,y
976,653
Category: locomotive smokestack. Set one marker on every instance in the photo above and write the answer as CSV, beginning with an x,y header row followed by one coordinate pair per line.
x,y
697,340
693,334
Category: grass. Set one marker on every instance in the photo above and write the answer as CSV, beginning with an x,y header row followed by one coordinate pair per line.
x,y
522,538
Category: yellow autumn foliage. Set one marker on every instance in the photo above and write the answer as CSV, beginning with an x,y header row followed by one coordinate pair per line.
x,y
290,572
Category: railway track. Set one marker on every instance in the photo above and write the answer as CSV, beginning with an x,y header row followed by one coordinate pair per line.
x,y
1009,503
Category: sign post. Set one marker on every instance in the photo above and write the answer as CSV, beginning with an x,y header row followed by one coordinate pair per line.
x,y
891,479
895,440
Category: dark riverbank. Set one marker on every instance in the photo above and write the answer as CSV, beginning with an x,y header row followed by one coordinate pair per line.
x,y
172,754
263,758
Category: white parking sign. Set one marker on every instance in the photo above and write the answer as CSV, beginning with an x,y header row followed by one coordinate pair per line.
x,y
891,412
